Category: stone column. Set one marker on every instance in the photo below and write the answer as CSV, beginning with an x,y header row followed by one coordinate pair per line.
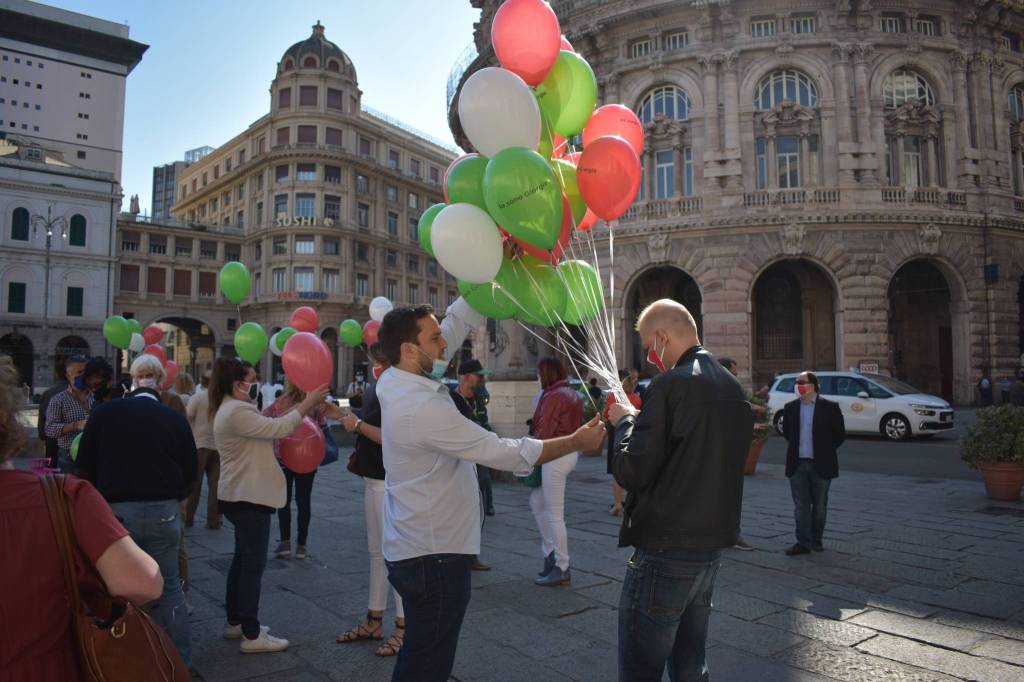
x,y
805,159
771,163
844,124
977,76
986,120
898,171
709,66
960,60
730,64
863,90
933,158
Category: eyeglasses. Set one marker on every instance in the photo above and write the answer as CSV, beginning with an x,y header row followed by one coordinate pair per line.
x,y
803,383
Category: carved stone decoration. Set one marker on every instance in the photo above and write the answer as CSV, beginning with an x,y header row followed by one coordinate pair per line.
x,y
657,247
661,127
841,52
731,60
784,48
916,115
930,236
793,239
863,52
790,115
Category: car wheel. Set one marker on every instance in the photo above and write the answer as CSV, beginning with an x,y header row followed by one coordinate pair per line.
x,y
778,424
895,427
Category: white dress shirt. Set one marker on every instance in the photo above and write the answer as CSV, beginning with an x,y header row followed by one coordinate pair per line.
x,y
432,498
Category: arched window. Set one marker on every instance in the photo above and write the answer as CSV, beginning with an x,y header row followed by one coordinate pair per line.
x,y
19,224
289,65
309,63
904,86
76,235
668,101
1017,103
332,65
785,85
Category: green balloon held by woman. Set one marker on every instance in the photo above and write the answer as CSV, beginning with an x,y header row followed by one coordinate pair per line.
x,y
568,94
251,342
235,281
523,196
117,331
351,333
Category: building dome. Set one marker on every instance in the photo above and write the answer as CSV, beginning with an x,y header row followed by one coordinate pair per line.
x,y
316,52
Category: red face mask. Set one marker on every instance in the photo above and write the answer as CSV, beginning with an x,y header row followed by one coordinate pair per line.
x,y
802,390
376,372
653,358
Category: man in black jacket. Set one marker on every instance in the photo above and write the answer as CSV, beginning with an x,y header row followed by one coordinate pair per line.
x,y
681,462
814,428
141,456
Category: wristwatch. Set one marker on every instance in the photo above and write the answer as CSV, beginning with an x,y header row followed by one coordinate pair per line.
x,y
359,422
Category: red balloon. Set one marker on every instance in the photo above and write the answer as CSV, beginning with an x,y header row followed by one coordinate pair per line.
x,y
609,176
152,334
558,250
303,451
615,119
304,319
526,38
573,158
307,361
157,352
370,331
171,367
589,220
566,45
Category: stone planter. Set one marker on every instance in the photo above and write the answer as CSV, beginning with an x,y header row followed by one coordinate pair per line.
x,y
1003,480
752,456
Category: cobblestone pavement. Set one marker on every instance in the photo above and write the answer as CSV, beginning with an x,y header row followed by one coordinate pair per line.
x,y
921,580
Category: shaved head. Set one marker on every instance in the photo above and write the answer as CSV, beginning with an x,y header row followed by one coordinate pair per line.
x,y
669,315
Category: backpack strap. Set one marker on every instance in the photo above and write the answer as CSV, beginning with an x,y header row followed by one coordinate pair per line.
x,y
60,519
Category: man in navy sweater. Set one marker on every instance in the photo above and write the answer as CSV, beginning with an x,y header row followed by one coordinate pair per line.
x,y
141,456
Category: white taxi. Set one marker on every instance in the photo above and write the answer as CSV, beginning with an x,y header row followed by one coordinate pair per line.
x,y
871,403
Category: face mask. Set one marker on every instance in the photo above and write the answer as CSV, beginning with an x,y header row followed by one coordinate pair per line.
x,y
359,378
101,393
439,367
254,390
79,383
377,371
801,390
146,383
656,358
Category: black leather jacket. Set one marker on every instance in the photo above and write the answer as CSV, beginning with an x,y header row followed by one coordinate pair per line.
x,y
681,459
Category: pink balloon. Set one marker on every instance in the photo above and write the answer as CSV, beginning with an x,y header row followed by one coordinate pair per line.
x,y
615,119
307,361
609,176
152,334
157,352
526,38
566,45
370,331
303,451
304,319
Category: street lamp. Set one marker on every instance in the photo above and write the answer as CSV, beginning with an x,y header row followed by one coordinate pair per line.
x,y
49,223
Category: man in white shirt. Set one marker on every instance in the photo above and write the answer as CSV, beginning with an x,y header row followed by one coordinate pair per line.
x,y
431,503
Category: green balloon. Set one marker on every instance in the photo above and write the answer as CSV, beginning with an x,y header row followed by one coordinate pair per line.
x,y
465,182
568,94
584,293
547,138
426,222
117,331
523,196
491,299
134,325
565,173
235,281
283,335
73,451
251,342
538,292
351,333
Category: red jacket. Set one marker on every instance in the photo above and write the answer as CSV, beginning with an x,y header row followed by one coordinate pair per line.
x,y
559,412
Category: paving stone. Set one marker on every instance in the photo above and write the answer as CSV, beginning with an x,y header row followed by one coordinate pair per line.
x,y
344,662
919,629
802,600
849,665
729,663
957,601
825,630
1009,650
943,660
755,638
1009,629
532,637
878,601
598,663
742,605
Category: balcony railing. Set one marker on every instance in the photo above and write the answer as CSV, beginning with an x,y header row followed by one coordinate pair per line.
x,y
662,208
932,196
1018,204
208,255
159,249
129,246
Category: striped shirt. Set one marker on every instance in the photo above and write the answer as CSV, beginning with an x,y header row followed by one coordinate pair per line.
x,y
63,409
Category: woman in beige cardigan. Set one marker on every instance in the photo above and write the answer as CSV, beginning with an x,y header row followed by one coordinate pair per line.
x,y
250,490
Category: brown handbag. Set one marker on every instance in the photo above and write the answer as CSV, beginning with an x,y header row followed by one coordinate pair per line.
x,y
114,640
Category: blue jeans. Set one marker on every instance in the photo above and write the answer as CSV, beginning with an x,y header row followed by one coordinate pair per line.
x,y
435,592
810,503
245,577
663,615
156,528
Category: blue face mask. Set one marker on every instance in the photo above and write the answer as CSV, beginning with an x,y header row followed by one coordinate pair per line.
x,y
439,368
80,383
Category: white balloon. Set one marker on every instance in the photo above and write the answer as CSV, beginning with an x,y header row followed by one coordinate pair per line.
x,y
498,110
273,345
467,243
137,344
379,307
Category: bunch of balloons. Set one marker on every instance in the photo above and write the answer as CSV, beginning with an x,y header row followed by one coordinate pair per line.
x,y
353,334
524,185
126,334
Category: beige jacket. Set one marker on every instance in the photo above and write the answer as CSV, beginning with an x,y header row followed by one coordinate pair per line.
x,y
198,415
249,472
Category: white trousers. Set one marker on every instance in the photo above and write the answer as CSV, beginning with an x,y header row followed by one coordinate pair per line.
x,y
373,508
548,506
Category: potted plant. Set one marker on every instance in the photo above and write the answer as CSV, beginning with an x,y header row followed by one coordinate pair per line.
x,y
762,422
995,444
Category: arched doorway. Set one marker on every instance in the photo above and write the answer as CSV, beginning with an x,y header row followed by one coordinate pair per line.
x,y
71,345
19,347
657,283
922,326
190,343
794,326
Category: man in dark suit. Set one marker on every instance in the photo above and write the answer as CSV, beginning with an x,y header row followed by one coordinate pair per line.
x,y
814,428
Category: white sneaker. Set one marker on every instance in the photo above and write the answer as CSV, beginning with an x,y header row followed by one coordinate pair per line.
x,y
235,631
264,644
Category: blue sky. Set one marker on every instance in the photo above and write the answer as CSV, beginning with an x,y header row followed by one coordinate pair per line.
x,y
207,73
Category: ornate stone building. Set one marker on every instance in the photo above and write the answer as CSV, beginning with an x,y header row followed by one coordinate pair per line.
x,y
320,198
826,184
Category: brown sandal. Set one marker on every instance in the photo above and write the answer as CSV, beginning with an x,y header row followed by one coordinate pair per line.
x,y
370,629
394,643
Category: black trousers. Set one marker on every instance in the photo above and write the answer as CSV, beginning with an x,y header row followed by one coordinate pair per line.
x,y
303,485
